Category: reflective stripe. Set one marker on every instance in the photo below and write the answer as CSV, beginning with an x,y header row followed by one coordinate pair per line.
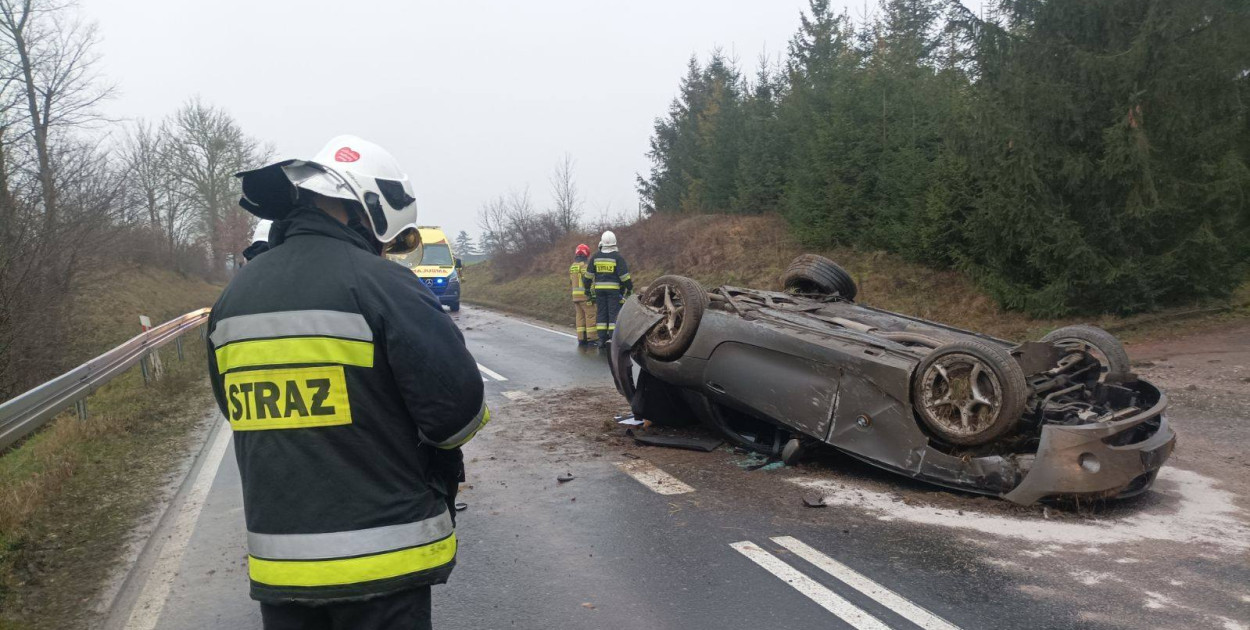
x,y
292,324
577,292
465,434
601,327
624,277
294,350
352,570
607,286
361,542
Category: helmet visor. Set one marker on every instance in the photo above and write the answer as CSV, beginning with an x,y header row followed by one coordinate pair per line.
x,y
406,242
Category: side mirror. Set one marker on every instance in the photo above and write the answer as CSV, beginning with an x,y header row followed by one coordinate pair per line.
x,y
459,263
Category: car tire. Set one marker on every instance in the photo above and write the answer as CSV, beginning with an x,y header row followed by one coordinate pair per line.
x,y
454,307
816,275
969,393
682,302
1110,352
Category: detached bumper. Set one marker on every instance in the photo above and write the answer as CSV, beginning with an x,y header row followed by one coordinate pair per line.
x,y
1115,459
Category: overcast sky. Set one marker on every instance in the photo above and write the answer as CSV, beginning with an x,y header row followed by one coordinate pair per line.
x,y
474,98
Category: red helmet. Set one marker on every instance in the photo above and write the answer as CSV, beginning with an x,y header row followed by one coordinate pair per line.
x,y
583,250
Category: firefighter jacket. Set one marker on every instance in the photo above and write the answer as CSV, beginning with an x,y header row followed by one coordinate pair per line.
x,y
607,271
349,391
580,294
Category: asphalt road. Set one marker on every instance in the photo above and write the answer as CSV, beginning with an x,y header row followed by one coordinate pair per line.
x,y
627,544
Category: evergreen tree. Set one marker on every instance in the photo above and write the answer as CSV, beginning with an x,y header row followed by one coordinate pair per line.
x,y
464,244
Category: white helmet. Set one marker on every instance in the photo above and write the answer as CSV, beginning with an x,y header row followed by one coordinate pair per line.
x,y
348,168
607,242
261,235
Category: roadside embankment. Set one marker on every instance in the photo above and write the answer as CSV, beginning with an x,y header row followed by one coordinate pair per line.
x,y
753,251
70,494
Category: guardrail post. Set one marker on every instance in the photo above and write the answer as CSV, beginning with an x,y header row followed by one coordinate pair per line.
x,y
178,344
81,406
143,367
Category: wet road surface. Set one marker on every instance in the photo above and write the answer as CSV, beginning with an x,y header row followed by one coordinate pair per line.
x,y
628,544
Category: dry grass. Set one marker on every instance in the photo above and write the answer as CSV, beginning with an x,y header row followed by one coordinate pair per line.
x,y
70,494
754,251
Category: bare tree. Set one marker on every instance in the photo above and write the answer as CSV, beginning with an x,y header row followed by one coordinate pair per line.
x,y
568,201
492,218
154,188
54,57
206,148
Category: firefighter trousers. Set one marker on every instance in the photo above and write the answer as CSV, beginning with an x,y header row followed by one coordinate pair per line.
x,y
585,320
609,303
406,610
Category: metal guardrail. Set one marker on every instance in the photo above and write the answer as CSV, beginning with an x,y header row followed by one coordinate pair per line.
x,y
31,410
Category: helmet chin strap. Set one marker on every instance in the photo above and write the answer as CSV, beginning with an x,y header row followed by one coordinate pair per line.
x,y
357,225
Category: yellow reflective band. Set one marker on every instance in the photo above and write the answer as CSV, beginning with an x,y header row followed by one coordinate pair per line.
x,y
625,277
479,422
293,350
352,570
579,292
606,286
295,398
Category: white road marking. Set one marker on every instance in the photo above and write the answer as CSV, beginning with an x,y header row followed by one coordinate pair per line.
x,y
491,373
863,584
652,477
151,602
827,599
514,396
554,332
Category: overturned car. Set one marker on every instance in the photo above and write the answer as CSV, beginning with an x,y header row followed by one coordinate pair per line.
x,y
779,372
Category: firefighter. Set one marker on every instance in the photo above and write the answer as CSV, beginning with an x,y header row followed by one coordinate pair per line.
x,y
349,392
260,240
608,276
583,299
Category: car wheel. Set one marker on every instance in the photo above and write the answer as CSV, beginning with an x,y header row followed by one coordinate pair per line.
x,y
454,306
1098,343
816,275
969,392
681,302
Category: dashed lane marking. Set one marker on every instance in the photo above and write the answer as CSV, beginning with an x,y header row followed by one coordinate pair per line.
x,y
886,597
652,477
827,599
147,609
491,373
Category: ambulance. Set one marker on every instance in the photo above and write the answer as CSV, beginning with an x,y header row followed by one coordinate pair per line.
x,y
436,265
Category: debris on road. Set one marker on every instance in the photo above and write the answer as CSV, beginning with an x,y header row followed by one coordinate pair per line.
x,y
703,444
815,501
565,477
461,506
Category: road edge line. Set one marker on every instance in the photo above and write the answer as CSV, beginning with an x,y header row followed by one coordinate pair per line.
x,y
176,528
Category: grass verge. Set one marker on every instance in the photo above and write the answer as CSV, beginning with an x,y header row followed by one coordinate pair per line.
x,y
753,251
71,494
